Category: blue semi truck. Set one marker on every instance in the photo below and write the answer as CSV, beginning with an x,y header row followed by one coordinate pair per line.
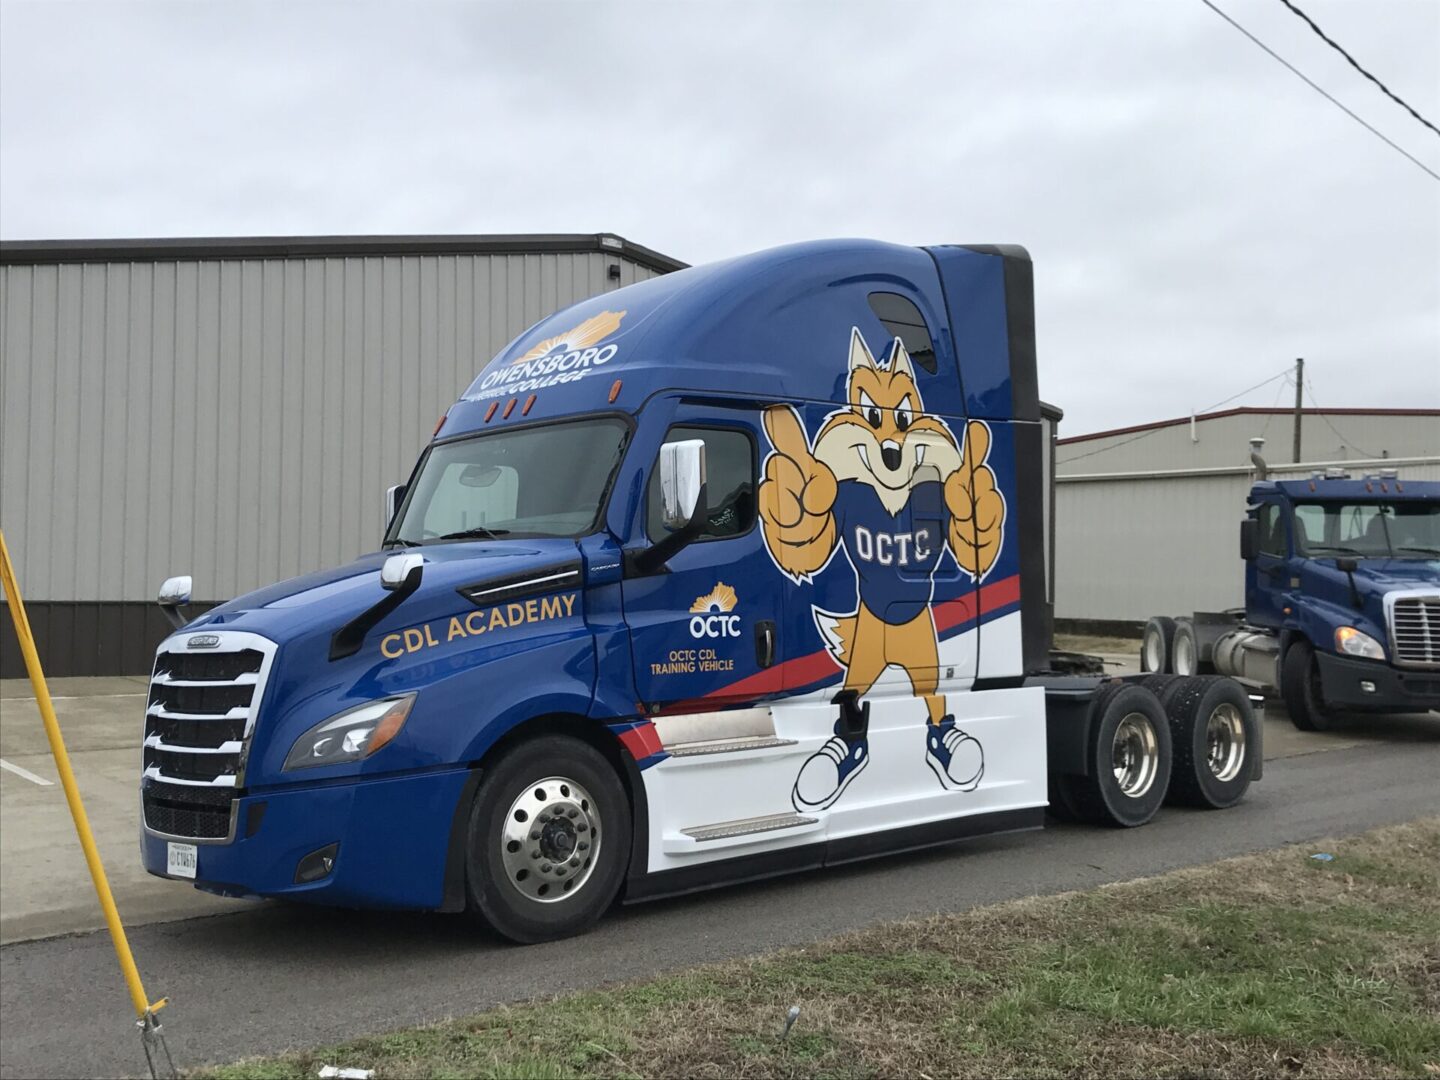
x,y
730,573
1342,599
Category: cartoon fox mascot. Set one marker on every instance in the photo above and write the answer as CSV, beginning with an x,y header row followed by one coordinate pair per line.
x,y
890,485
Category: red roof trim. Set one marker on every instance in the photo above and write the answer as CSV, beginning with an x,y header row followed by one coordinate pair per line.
x,y
1245,410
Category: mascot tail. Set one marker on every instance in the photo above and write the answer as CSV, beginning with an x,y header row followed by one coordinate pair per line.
x,y
838,633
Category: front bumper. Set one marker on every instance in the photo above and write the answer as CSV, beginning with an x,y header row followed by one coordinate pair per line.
x,y
393,836
1344,681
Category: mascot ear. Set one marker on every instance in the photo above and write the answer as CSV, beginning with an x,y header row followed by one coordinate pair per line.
x,y
859,353
900,360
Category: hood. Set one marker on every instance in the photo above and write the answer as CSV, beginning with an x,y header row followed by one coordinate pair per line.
x,y
1387,575
326,600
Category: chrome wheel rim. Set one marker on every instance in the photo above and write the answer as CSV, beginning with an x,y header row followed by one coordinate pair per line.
x,y
1135,755
1225,742
551,840
1153,660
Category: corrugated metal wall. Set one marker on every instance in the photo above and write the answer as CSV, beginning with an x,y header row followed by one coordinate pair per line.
x,y
1224,439
1132,546
238,419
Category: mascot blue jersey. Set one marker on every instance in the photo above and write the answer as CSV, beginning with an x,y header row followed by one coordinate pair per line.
x,y
896,555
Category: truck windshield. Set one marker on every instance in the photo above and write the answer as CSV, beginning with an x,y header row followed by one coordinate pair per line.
x,y
1398,530
545,481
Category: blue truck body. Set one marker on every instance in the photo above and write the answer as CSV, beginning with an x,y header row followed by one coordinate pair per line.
x,y
712,677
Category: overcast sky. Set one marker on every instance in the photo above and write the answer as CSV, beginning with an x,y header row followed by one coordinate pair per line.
x,y
1197,215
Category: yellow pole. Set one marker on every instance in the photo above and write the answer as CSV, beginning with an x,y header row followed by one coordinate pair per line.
x,y
142,1004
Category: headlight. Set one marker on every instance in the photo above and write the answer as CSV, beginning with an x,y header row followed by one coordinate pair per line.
x,y
351,735
1352,642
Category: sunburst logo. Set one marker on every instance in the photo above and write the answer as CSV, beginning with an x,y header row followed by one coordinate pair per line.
x,y
721,598
590,332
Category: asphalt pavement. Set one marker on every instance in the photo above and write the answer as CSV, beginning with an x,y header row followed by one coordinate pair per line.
x,y
273,977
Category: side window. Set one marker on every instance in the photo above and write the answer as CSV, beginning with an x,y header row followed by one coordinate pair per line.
x,y
903,320
1272,531
1309,526
730,472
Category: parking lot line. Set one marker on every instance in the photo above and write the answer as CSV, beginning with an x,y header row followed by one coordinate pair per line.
x,y
26,773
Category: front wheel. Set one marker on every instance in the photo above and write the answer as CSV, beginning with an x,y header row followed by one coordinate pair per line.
x,y
1301,691
549,840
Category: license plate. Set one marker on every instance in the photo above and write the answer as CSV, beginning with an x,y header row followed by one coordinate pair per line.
x,y
181,859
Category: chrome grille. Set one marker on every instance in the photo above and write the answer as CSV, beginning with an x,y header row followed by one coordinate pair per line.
x,y
198,719
1414,629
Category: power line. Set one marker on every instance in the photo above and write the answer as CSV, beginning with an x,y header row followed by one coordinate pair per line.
x,y
1151,431
1356,65
1323,93
1326,420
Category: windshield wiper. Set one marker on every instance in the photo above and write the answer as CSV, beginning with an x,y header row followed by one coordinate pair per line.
x,y
1423,550
479,532
399,541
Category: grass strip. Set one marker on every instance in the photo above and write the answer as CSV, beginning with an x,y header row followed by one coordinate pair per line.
x,y
1265,965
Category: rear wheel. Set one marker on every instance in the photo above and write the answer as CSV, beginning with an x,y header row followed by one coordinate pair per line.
x,y
1214,735
1155,644
1300,689
549,840
1185,651
1128,759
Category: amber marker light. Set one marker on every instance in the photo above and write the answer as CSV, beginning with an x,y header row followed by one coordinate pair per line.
x,y
614,391
528,402
491,411
439,424
389,726
509,408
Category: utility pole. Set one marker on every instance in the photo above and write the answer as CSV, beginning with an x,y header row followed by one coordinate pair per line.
x,y
1299,390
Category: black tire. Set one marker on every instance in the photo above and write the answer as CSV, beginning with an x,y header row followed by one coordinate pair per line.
x,y
1156,644
554,764
1100,797
1062,807
1159,684
1213,775
1186,657
1300,689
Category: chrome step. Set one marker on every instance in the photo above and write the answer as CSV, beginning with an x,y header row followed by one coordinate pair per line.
x,y
727,746
744,826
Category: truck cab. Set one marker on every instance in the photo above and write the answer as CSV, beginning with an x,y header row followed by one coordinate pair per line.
x,y
733,572
1345,573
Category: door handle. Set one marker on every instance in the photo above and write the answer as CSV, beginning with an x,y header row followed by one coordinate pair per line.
x,y
765,642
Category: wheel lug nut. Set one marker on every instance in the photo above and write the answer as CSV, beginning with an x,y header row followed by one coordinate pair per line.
x,y
571,812
545,868
575,861
583,845
535,854
581,827
534,834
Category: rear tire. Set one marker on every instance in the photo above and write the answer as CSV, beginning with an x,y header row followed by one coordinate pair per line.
x,y
1128,759
1213,734
1300,689
1156,644
1185,656
549,840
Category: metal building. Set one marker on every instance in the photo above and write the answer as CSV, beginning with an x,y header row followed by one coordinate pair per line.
x,y
1147,517
235,408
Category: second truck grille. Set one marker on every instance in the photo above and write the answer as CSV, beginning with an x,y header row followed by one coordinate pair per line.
x,y
1415,631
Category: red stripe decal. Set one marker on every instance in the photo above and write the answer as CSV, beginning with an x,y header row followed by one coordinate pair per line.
x,y
818,666
641,740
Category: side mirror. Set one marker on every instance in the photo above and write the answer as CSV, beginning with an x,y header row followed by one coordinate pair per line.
x,y
682,479
173,595
1249,538
1347,565
682,503
396,572
394,496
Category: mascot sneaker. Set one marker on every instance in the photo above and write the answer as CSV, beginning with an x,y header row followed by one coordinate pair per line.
x,y
955,758
827,772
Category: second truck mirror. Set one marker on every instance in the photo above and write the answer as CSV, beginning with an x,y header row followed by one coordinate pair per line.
x,y
682,478
1248,538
